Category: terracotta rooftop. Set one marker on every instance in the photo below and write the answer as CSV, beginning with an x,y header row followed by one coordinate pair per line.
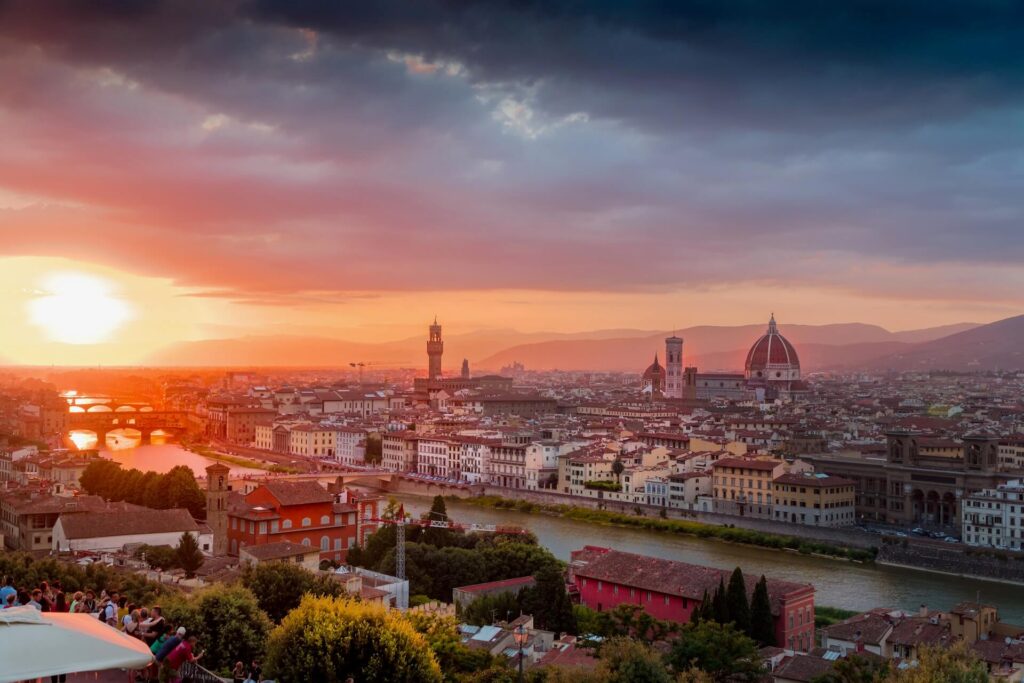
x,y
131,523
667,576
266,552
298,492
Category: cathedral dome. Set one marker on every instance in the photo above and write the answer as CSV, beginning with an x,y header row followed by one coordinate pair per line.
x,y
654,369
772,358
654,376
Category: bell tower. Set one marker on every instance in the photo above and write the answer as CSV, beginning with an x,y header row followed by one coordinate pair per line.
x,y
217,506
435,349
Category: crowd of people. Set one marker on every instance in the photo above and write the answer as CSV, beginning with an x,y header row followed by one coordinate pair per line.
x,y
173,647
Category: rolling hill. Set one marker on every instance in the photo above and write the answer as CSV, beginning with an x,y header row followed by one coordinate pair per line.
x,y
996,346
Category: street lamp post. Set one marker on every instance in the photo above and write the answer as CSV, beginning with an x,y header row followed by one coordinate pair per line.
x,y
520,635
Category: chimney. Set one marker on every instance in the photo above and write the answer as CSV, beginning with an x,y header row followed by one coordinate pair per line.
x,y
858,642
923,610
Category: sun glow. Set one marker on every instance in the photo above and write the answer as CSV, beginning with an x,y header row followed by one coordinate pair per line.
x,y
78,309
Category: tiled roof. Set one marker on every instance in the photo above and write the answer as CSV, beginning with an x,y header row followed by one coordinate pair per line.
x,y
802,668
871,627
134,522
276,551
490,585
666,576
298,492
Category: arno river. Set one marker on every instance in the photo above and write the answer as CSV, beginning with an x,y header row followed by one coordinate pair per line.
x,y
838,583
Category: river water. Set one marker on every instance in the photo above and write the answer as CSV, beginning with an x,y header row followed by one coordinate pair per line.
x,y
838,583
160,456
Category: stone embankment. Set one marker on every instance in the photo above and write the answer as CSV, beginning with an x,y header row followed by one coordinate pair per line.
x,y
958,561
853,538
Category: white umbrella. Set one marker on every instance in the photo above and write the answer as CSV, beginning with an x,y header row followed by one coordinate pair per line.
x,y
35,644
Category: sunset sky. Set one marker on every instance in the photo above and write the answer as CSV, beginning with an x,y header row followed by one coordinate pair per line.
x,y
188,170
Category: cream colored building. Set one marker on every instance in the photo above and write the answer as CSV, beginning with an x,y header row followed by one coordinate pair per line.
x,y
814,499
743,486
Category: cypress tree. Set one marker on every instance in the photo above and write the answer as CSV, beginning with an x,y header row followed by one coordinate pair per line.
x,y
719,604
698,610
762,625
736,599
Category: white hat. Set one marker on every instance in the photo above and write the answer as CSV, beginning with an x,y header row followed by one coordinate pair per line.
x,y
181,630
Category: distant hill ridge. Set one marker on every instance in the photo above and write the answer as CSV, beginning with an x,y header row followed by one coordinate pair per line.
x,y
834,346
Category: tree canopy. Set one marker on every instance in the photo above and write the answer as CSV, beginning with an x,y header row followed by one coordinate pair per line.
x,y
719,650
280,586
330,639
175,489
228,622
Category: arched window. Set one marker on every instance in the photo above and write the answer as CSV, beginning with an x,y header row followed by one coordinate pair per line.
x,y
286,524
325,520
325,543
306,521
306,542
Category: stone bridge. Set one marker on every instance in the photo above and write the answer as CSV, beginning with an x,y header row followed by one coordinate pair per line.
x,y
146,422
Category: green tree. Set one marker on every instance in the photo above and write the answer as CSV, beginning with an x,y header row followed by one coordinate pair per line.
x,y
329,639
227,621
955,664
736,599
717,649
488,608
455,659
438,513
280,586
720,604
625,660
188,555
703,610
618,468
159,556
549,603
762,624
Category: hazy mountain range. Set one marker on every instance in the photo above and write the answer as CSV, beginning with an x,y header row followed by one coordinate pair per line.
x,y
963,346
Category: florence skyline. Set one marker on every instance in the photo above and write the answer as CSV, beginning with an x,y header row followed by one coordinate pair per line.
x,y
252,168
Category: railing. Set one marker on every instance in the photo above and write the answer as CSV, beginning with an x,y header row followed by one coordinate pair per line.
x,y
190,671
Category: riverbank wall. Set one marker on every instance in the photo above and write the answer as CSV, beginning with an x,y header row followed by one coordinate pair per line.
x,y
853,538
952,562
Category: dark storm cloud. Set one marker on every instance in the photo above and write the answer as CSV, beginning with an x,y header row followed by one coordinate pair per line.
x,y
544,144
676,64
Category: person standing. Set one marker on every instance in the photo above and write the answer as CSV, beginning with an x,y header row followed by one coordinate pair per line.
x,y
181,654
36,601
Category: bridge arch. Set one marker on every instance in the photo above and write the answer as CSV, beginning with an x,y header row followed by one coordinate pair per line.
x,y
99,408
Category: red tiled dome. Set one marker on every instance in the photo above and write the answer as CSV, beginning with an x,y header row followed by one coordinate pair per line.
x,y
654,369
771,350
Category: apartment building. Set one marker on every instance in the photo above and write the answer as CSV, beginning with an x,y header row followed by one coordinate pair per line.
x,y
994,518
814,499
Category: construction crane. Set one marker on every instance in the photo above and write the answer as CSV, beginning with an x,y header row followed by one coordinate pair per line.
x,y
400,522
359,365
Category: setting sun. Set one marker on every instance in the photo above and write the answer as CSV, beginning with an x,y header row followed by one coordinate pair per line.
x,y
78,309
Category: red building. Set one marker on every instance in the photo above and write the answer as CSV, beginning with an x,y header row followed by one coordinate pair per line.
x,y
670,590
302,512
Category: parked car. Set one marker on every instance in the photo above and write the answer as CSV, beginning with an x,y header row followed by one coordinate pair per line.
x,y
919,531
951,539
900,534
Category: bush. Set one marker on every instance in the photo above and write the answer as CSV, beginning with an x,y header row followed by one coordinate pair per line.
x,y
228,622
329,639
279,586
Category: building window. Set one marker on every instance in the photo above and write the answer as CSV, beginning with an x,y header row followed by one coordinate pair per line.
x,y
286,524
325,520
306,521
263,527
307,542
325,543
273,527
